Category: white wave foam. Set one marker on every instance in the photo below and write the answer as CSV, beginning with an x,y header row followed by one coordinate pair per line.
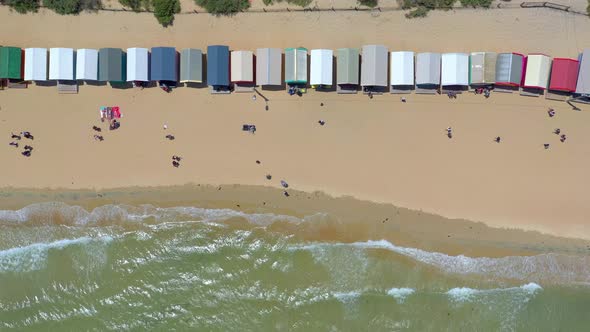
x,y
464,294
346,296
548,267
400,294
34,256
57,212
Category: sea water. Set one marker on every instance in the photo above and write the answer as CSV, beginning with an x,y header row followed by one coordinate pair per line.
x,y
136,268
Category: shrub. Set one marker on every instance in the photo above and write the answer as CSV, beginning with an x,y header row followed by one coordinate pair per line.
x,y
136,5
64,7
22,6
301,3
420,11
429,4
476,3
224,7
368,3
164,10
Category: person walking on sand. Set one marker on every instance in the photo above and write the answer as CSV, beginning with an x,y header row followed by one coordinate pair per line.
x,y
15,144
497,139
557,131
562,138
551,112
322,122
546,146
16,137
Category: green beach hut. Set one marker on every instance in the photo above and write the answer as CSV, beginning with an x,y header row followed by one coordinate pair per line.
x,y
296,66
11,63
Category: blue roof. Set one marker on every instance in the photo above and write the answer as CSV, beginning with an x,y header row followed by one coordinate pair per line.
x,y
218,65
164,65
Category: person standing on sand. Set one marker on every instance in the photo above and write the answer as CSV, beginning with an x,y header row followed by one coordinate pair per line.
x,y
497,139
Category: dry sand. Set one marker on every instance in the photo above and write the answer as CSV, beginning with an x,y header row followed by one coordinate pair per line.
x,y
379,150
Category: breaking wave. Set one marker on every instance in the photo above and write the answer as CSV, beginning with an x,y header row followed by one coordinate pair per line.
x,y
550,267
34,257
465,294
400,294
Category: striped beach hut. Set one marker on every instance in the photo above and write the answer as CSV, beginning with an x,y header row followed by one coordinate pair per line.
x,y
374,67
111,65
268,66
164,65
401,73
11,63
347,70
296,66
137,64
509,68
321,68
482,68
87,64
191,65
35,64
536,76
61,64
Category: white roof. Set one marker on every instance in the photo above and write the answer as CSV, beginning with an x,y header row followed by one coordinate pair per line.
x,y
321,67
538,67
36,64
242,66
402,68
61,63
137,64
87,64
455,69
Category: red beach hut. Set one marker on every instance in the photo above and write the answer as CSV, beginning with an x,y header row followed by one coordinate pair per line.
x,y
564,74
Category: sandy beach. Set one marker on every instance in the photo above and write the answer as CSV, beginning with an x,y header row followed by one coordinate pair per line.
x,y
380,150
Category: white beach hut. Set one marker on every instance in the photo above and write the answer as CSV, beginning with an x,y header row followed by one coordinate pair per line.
x,y
137,64
455,69
321,68
402,69
537,71
242,67
61,63
36,64
87,64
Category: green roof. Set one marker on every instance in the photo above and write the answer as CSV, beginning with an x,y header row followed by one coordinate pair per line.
x,y
10,62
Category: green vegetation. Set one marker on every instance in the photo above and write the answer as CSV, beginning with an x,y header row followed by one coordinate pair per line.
x,y
420,11
301,3
476,3
164,10
70,7
22,6
368,3
224,7
136,5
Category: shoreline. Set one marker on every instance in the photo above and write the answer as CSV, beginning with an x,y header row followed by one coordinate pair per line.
x,y
324,218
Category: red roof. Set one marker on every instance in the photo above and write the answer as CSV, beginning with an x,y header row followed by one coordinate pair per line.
x,y
564,74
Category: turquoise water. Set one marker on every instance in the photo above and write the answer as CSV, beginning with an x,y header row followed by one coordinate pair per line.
x,y
124,268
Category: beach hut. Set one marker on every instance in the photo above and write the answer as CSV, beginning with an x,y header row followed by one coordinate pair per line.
x,y
454,71
321,68
191,66
11,63
509,69
36,64
482,68
137,64
583,83
164,65
87,64
268,66
218,68
347,70
111,65
374,68
537,71
401,73
61,63
242,70
564,73
296,66
427,72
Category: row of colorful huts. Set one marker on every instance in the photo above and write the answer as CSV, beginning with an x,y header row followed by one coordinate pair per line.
x,y
372,67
